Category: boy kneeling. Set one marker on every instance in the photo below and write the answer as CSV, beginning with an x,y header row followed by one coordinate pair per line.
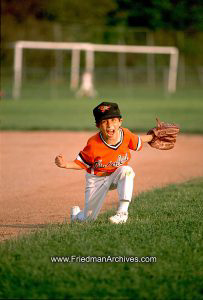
x,y
105,159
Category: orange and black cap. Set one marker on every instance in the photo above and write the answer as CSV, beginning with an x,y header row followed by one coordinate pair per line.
x,y
106,110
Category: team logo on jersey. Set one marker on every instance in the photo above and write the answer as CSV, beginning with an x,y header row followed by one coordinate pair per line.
x,y
119,162
103,108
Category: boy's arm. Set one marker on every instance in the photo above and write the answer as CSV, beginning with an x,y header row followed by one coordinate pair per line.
x,y
62,163
146,138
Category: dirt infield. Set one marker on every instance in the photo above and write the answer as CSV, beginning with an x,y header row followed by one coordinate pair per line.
x,y
34,192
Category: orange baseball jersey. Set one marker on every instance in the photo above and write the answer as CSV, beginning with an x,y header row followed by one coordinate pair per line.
x,y
98,156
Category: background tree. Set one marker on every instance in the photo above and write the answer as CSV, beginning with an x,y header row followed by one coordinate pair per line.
x,y
156,14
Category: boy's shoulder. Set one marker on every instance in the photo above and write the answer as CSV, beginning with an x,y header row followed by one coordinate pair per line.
x,y
94,139
127,132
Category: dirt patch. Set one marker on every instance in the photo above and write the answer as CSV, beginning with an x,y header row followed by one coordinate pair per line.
x,y
34,192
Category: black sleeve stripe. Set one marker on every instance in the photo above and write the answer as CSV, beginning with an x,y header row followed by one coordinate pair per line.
x,y
84,160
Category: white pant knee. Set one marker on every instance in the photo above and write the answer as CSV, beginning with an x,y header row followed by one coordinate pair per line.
x,y
126,171
125,181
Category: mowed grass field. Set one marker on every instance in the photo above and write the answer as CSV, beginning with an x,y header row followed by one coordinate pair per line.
x,y
41,110
164,223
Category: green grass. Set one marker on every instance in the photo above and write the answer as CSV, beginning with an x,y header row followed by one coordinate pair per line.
x,y
164,223
139,109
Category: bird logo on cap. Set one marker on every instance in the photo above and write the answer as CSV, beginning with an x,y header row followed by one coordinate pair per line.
x,y
103,108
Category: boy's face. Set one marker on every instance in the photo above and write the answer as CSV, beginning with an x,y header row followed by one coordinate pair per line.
x,y
110,127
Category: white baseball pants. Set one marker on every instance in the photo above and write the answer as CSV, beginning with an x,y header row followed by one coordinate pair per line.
x,y
97,187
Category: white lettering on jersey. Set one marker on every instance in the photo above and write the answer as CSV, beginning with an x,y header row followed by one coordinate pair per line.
x,y
120,160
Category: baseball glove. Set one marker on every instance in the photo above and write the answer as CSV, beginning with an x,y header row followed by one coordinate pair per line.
x,y
164,135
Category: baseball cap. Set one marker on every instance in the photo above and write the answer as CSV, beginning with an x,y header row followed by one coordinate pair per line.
x,y
106,110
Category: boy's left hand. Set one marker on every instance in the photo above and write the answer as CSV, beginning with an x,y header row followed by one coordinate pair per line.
x,y
164,135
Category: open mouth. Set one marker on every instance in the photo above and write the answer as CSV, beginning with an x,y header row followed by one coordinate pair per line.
x,y
110,132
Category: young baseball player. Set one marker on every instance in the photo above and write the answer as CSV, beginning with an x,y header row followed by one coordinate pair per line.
x,y
105,159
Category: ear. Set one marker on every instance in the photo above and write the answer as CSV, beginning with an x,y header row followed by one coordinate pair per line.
x,y
121,120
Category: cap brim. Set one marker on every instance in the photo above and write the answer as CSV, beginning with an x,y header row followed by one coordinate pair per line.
x,y
109,117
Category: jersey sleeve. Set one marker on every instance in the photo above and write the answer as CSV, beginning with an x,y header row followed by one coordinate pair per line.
x,y
85,157
135,142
